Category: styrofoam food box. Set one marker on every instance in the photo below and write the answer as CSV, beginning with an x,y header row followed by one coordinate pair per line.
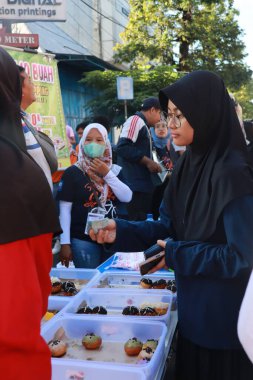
x,y
91,371
111,330
73,274
116,300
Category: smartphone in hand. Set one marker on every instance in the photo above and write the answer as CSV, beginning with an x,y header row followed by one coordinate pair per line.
x,y
151,262
153,256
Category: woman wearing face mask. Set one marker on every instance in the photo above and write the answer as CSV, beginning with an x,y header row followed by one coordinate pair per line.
x,y
90,184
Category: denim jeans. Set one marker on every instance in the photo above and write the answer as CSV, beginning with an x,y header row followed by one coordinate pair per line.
x,y
86,254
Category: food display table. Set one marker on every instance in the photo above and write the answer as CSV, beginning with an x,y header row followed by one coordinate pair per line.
x,y
123,286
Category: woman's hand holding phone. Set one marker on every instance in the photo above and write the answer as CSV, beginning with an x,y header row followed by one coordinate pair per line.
x,y
161,264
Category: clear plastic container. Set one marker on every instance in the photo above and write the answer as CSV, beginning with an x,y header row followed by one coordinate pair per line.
x,y
114,333
114,301
80,277
126,280
93,371
55,305
130,280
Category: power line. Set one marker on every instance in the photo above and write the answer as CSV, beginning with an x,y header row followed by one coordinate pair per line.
x,y
107,17
89,6
66,39
91,18
91,36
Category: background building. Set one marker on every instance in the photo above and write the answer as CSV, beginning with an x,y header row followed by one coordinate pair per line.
x,y
96,24
84,42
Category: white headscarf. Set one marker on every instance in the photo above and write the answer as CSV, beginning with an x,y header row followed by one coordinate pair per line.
x,y
84,161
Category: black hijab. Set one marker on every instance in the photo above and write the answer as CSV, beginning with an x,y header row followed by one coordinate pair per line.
x,y
27,205
10,98
214,170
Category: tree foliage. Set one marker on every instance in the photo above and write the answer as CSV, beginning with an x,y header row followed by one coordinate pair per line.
x,y
187,34
244,96
146,83
166,38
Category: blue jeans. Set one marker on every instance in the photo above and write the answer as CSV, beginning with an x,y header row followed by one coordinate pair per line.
x,y
86,254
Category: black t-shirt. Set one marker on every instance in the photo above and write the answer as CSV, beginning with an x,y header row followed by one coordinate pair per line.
x,y
168,157
76,188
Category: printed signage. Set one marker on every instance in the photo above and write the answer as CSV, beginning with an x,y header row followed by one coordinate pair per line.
x,y
19,40
125,88
33,10
46,113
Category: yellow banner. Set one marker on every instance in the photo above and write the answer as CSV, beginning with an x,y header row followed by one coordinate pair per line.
x,y
46,113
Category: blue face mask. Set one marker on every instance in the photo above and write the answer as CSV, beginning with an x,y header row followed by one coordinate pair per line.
x,y
94,150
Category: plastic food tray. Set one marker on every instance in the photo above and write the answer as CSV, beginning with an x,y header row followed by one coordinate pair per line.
x,y
111,330
73,274
130,280
56,303
126,280
91,371
116,300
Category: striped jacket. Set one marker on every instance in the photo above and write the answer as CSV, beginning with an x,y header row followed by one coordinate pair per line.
x,y
133,144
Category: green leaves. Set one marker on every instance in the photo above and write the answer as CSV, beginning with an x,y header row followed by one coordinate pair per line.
x,y
147,82
167,37
190,34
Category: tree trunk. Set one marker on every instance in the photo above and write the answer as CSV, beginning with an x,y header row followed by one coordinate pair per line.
x,y
184,43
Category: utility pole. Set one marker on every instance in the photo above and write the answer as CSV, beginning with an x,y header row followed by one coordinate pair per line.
x,y
100,30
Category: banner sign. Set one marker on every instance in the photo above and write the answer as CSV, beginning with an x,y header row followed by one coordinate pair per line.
x,y
33,10
46,113
19,40
125,89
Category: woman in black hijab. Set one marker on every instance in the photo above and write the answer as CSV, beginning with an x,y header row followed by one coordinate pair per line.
x,y
208,211
28,221
210,202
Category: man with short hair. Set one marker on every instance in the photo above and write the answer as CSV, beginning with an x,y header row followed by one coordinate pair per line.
x,y
134,154
79,129
74,152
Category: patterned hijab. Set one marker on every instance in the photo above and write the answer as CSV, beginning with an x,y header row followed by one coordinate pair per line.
x,y
84,161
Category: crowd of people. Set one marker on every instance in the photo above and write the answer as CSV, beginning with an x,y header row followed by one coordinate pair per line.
x,y
184,157
125,183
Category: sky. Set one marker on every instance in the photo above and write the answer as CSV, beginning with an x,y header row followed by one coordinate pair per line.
x,y
245,21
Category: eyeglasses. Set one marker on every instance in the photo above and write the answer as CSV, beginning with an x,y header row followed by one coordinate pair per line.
x,y
176,118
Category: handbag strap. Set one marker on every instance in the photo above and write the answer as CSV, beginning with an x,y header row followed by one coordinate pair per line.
x,y
29,126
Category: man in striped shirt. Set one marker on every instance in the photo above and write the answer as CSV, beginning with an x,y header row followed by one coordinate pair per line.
x,y
32,145
134,154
